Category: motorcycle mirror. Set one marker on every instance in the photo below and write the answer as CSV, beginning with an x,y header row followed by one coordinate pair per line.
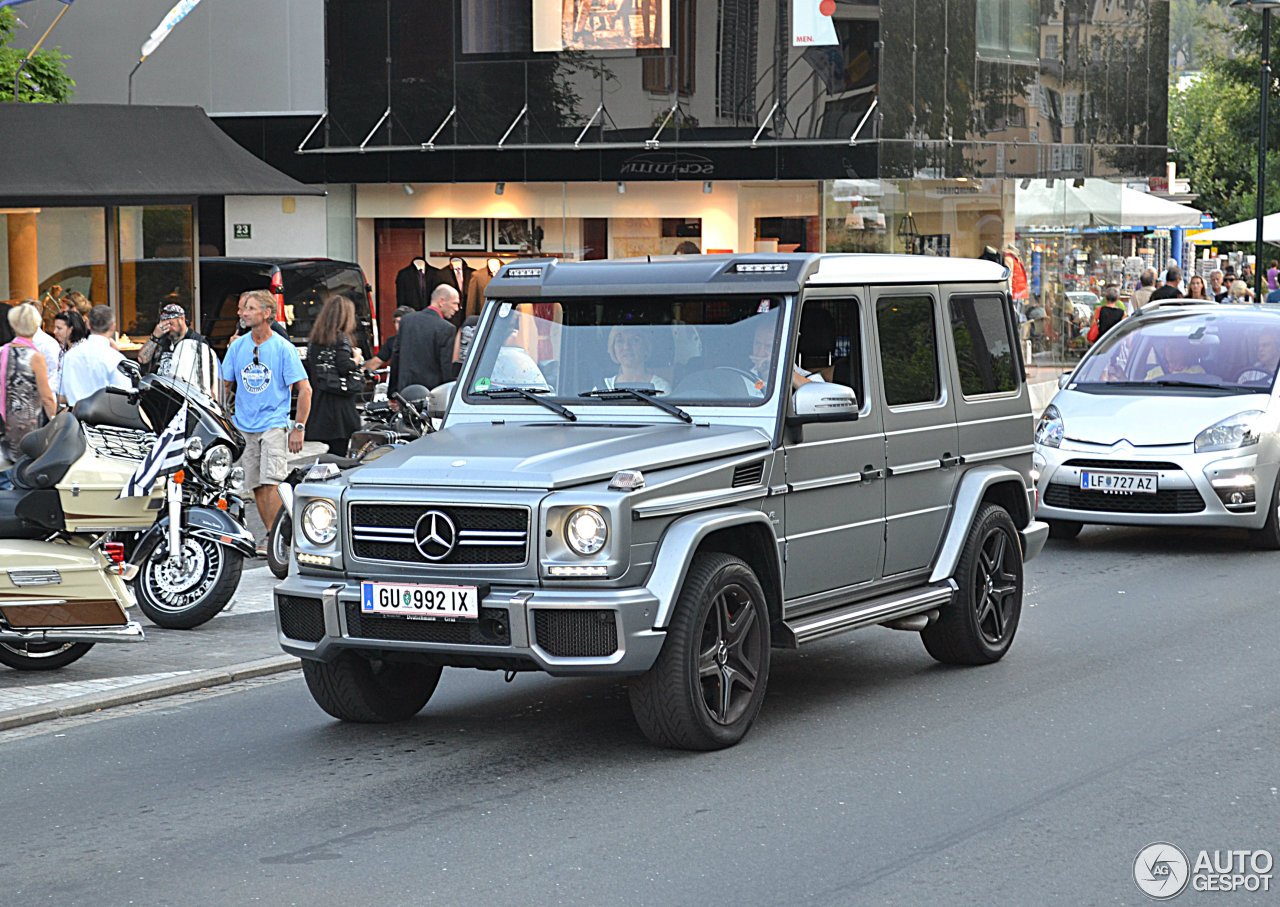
x,y
130,368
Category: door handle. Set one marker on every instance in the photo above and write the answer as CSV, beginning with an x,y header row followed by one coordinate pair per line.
x,y
949,461
870,474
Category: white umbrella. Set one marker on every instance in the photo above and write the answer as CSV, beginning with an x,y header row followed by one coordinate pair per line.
x,y
1097,203
1245,231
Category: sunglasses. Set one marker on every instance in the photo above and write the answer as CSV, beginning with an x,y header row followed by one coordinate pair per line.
x,y
255,356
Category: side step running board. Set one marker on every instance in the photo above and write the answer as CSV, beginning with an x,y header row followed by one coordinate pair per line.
x,y
864,614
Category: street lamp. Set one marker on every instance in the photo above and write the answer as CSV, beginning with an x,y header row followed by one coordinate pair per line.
x,y
1264,87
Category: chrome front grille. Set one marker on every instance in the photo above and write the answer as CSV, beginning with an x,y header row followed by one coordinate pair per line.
x,y
453,535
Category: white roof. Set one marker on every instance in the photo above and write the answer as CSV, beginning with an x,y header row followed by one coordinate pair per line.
x,y
903,269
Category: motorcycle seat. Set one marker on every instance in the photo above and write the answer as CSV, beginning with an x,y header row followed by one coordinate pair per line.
x,y
102,408
49,453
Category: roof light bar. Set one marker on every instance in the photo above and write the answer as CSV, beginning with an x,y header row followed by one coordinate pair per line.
x,y
524,272
761,267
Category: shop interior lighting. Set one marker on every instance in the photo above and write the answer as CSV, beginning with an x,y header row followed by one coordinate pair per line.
x,y
499,188
1078,182
1025,184
408,190
706,187
622,188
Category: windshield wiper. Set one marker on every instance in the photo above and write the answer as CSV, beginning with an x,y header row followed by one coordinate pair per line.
x,y
1174,382
647,395
497,392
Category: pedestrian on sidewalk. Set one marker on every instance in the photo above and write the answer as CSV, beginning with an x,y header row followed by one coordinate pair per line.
x,y
26,399
91,366
260,370
333,364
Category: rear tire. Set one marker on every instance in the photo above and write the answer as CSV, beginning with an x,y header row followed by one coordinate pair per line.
x,y
357,688
706,688
1268,537
1064,529
42,656
978,626
280,544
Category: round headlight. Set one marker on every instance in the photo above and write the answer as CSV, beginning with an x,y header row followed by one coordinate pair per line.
x,y
195,447
585,531
236,482
217,463
319,522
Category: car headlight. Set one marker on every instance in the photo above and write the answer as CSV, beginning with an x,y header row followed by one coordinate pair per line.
x,y
585,531
320,522
1050,428
217,463
1229,434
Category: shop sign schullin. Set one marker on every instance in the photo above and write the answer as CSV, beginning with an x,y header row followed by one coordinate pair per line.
x,y
667,164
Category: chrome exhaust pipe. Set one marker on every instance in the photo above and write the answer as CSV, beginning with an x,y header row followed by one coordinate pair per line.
x,y
130,632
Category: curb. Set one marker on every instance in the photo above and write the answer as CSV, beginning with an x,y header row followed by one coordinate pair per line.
x,y
155,689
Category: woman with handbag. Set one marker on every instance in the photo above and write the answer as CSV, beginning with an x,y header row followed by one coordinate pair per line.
x,y
333,364
1107,315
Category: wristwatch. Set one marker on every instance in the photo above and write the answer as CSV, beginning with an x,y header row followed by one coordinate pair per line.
x,y
299,426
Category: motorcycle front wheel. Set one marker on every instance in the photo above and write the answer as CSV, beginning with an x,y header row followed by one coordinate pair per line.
x,y
279,544
180,594
41,656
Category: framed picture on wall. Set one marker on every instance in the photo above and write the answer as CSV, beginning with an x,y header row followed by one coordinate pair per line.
x,y
465,234
512,234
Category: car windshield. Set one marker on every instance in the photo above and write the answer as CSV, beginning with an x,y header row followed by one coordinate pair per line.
x,y
1234,351
683,350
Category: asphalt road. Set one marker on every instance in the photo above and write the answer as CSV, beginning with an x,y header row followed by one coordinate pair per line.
x,y
1138,704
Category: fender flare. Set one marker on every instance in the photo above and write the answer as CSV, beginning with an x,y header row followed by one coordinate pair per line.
x,y
680,542
206,523
973,487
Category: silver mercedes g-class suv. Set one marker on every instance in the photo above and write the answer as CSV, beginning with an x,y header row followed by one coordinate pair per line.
x,y
663,469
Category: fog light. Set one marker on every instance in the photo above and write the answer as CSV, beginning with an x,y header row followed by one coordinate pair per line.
x,y
318,560
1236,497
579,571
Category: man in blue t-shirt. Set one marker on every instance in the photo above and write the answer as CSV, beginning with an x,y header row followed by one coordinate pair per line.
x,y
261,368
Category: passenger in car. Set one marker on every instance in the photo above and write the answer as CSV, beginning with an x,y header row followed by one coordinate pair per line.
x,y
631,349
1178,358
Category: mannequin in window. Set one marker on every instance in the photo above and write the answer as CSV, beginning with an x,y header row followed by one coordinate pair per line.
x,y
455,273
413,284
479,280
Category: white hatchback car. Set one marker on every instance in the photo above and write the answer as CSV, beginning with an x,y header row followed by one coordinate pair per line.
x,y
1171,419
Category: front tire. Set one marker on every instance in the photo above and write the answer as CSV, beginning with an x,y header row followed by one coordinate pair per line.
x,y
1268,537
42,656
279,544
978,626
180,598
368,690
708,684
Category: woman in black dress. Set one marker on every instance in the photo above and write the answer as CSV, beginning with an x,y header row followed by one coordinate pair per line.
x,y
333,364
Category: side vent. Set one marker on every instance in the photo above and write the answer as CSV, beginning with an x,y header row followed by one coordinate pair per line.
x,y
748,474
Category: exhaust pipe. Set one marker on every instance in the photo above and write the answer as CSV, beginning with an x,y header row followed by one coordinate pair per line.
x,y
130,632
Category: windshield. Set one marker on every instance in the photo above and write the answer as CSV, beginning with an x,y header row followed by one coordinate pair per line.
x,y
683,350
194,368
1236,352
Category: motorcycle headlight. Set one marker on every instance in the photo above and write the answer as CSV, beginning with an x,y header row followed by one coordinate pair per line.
x,y
320,522
195,447
236,482
1229,434
1050,428
217,463
585,531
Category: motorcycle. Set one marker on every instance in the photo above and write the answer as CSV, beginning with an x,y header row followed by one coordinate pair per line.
x,y
184,541
58,600
382,429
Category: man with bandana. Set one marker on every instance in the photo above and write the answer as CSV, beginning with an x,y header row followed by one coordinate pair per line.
x,y
261,368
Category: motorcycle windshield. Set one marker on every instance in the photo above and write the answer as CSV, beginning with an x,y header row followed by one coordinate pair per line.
x,y
195,369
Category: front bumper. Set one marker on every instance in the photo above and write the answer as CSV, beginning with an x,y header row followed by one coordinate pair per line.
x,y
520,628
1193,489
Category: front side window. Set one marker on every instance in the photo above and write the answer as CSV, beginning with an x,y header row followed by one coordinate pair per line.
x,y
908,349
984,345
684,350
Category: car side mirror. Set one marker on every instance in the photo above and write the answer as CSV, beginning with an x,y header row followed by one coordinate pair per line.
x,y
821,401
130,369
1064,380
438,399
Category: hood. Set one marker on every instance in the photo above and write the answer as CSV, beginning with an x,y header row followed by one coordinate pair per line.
x,y
1146,420
550,455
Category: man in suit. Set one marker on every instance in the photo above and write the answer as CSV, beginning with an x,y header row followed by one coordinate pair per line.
x,y
457,274
413,283
424,354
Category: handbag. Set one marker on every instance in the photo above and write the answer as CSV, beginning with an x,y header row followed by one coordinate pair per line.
x,y
1092,336
325,372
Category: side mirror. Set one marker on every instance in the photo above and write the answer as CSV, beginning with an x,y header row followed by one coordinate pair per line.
x,y
820,401
1064,380
438,400
130,369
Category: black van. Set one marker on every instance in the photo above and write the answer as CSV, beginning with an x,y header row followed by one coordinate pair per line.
x,y
300,287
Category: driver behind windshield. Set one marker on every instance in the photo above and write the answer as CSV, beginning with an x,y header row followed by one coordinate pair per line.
x,y
1179,358
1263,370
762,359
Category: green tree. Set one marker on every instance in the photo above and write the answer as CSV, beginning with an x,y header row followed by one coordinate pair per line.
x,y
44,79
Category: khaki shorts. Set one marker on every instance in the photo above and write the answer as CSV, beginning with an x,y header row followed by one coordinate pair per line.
x,y
266,457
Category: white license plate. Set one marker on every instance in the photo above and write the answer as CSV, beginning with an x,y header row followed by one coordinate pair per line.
x,y
416,600
1140,482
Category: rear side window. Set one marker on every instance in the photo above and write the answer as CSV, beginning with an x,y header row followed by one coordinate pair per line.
x,y
308,286
984,345
908,349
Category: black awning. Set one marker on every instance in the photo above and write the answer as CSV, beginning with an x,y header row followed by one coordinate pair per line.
x,y
112,154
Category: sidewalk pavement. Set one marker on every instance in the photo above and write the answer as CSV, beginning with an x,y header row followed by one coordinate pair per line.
x,y
235,645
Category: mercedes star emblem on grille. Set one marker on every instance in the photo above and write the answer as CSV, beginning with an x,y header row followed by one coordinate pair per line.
x,y
435,535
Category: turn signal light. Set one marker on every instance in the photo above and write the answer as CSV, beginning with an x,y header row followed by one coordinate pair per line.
x,y
222,503
179,477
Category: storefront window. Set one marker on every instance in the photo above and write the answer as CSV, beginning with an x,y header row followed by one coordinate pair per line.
x,y
156,265
53,246
957,217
